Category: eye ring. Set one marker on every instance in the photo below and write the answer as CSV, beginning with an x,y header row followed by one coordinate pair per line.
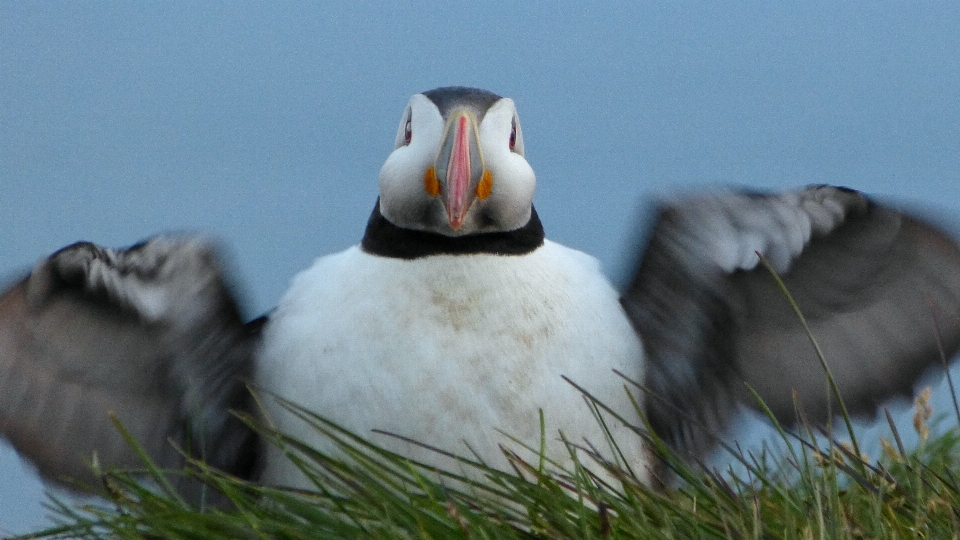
x,y
513,135
407,132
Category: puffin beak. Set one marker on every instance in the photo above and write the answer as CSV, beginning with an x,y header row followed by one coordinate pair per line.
x,y
459,176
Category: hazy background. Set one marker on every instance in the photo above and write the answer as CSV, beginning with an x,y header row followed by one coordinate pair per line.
x,y
265,124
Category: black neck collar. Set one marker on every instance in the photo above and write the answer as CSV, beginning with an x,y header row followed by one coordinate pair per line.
x,y
387,240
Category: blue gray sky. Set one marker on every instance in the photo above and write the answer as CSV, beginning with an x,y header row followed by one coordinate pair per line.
x,y
265,124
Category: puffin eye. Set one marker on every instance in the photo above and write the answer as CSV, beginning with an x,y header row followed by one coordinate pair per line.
x,y
513,135
408,132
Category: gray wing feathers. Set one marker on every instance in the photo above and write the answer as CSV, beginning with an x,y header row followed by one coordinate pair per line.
x,y
53,407
876,293
873,283
150,334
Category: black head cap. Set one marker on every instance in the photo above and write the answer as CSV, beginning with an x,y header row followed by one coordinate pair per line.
x,y
448,97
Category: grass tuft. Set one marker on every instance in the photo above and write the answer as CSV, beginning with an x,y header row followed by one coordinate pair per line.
x,y
815,491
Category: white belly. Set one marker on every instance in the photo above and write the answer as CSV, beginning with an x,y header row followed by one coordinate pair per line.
x,y
448,349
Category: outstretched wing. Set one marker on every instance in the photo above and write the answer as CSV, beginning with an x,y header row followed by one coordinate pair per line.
x,y
879,289
149,333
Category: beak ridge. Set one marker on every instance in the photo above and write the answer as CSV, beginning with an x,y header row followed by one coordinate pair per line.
x,y
459,166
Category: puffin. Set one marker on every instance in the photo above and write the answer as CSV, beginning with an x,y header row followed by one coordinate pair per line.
x,y
455,327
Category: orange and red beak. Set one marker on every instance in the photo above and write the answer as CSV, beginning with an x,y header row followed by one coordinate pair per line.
x,y
458,174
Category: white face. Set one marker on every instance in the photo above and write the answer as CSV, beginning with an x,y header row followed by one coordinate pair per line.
x,y
493,190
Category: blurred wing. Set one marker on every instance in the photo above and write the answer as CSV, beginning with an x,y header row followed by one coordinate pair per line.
x,y
879,289
150,333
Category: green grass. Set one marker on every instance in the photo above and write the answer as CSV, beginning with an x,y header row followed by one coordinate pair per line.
x,y
811,493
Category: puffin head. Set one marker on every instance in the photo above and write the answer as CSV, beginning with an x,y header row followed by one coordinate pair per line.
x,y
458,166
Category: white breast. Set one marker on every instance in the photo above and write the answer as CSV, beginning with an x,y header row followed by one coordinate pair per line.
x,y
447,349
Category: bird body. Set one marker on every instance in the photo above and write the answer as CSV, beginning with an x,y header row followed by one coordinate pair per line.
x,y
450,348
